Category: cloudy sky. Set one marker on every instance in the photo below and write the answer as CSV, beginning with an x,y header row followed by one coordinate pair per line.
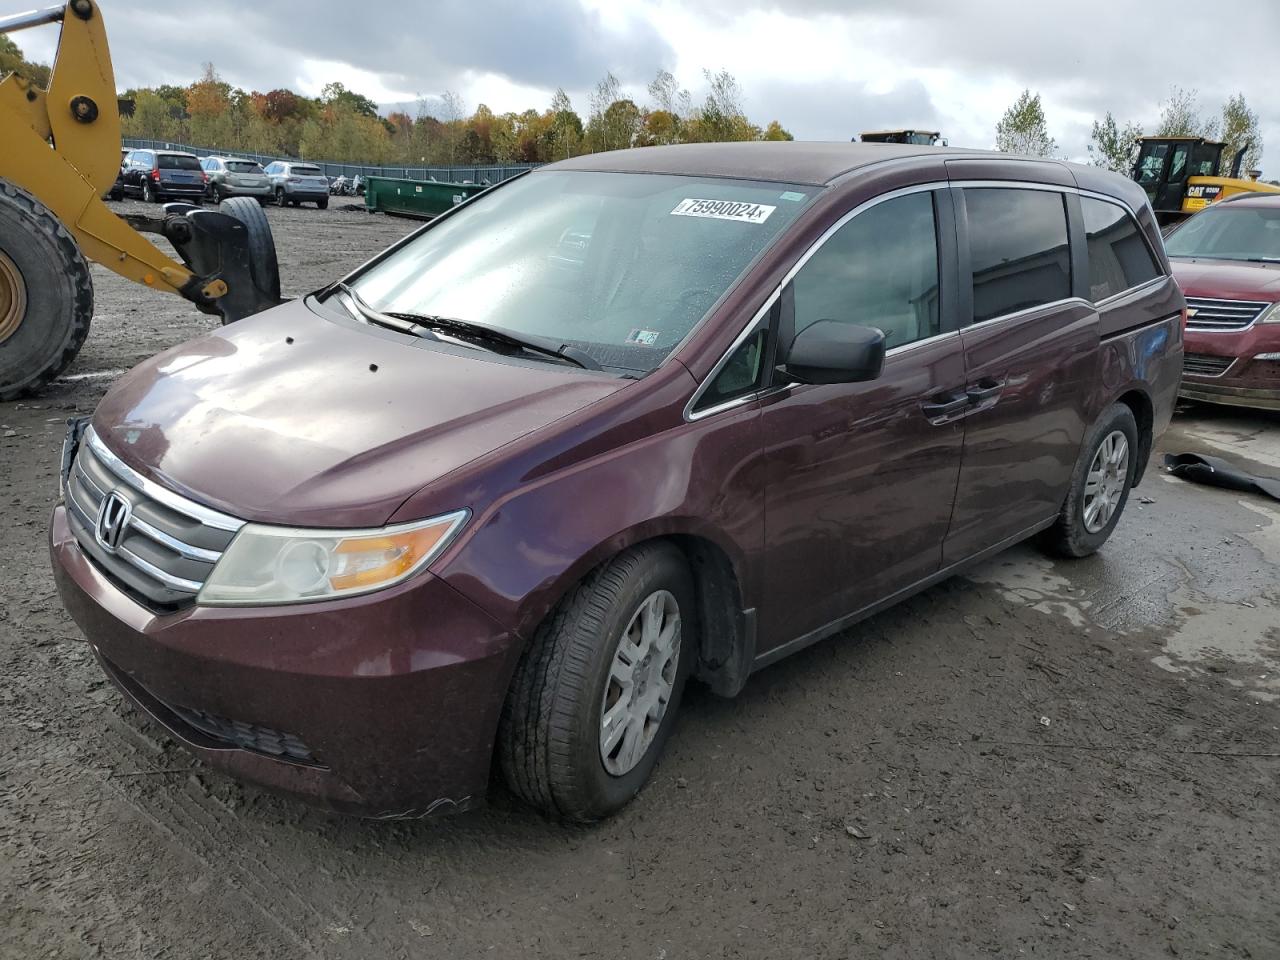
x,y
824,68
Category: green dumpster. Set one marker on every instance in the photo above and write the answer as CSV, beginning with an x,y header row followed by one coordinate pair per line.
x,y
415,198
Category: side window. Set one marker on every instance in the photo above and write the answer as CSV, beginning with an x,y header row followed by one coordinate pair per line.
x,y
879,270
1017,248
742,374
1178,166
1119,257
271,168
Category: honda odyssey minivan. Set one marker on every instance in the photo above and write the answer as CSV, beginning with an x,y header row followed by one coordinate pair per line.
x,y
628,420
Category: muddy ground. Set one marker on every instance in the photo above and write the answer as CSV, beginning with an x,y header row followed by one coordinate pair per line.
x,y
1039,759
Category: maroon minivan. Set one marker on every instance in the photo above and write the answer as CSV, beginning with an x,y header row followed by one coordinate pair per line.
x,y
628,419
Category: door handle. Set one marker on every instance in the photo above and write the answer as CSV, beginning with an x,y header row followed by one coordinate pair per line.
x,y
984,390
946,405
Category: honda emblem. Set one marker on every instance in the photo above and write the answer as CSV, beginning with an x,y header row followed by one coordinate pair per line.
x,y
113,520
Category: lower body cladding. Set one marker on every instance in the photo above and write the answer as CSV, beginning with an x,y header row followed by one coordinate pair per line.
x,y
1247,378
383,706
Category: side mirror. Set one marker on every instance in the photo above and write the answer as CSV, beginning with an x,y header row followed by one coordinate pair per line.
x,y
831,352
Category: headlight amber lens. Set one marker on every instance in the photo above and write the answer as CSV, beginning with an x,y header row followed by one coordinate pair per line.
x,y
267,564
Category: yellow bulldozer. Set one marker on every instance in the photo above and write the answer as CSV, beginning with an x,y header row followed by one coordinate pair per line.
x,y
59,159
1182,175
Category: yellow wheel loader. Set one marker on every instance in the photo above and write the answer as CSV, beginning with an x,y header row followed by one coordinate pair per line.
x,y
58,160
1183,175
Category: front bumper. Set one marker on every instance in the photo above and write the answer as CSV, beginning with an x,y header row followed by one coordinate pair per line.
x,y
1247,381
384,705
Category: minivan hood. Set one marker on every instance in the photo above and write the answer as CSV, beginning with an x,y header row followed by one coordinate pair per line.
x,y
291,418
1225,280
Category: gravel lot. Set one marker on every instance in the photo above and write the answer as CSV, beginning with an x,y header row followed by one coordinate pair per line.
x,y
1039,759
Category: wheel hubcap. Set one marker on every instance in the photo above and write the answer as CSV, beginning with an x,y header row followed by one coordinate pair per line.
x,y
641,680
1105,484
13,298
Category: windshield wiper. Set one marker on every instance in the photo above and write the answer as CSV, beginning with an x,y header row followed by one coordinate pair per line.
x,y
466,330
417,324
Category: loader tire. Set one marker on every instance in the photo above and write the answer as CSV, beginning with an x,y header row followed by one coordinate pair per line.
x,y
262,246
43,273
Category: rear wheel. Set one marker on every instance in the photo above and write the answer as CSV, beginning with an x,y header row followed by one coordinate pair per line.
x,y
281,199
216,192
262,246
323,203
1100,485
46,295
149,194
595,696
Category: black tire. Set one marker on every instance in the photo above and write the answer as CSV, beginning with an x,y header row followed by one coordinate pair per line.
x,y
58,290
262,245
281,199
549,736
1069,536
149,192
323,203
215,192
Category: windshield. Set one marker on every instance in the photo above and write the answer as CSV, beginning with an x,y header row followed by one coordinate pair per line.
x,y
176,161
621,266
243,166
1229,233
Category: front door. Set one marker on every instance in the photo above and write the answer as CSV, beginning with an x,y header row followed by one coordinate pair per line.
x,y
1173,187
1031,356
860,478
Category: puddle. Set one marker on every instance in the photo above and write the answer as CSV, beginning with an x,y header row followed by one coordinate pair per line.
x,y
1227,636
1033,580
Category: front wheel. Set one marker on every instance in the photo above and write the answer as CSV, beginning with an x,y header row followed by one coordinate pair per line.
x,y
595,695
46,295
1100,485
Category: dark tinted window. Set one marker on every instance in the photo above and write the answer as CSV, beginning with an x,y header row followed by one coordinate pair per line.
x,y
177,161
1119,257
743,373
879,270
1018,249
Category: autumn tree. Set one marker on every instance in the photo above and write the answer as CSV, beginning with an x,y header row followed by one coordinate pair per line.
x,y
12,61
775,131
1240,129
1180,116
1023,129
1114,147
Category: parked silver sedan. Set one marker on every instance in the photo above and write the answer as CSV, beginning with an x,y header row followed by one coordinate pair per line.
x,y
233,177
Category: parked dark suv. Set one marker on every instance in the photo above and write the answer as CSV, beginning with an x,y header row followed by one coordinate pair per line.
x,y
629,419
156,175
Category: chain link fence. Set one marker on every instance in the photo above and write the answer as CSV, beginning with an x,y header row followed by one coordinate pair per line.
x,y
456,174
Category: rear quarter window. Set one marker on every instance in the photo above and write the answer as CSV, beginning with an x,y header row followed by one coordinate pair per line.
x,y
1119,258
1018,249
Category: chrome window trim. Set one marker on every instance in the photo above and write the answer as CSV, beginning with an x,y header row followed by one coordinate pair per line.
x,y
1115,297
206,515
933,185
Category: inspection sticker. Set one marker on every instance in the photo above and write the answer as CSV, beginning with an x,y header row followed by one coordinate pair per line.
x,y
724,210
645,338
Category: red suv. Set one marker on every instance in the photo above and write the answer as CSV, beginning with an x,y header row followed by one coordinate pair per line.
x,y
629,419
1227,260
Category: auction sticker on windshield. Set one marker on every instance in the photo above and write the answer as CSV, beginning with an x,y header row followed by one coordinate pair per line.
x,y
724,210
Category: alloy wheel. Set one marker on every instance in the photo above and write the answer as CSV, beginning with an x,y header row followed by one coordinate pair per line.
x,y
642,679
1105,483
13,297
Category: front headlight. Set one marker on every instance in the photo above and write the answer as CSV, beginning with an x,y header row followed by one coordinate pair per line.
x,y
1271,314
266,564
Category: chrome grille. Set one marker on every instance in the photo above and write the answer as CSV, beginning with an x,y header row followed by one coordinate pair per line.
x,y
1206,365
168,544
1207,314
